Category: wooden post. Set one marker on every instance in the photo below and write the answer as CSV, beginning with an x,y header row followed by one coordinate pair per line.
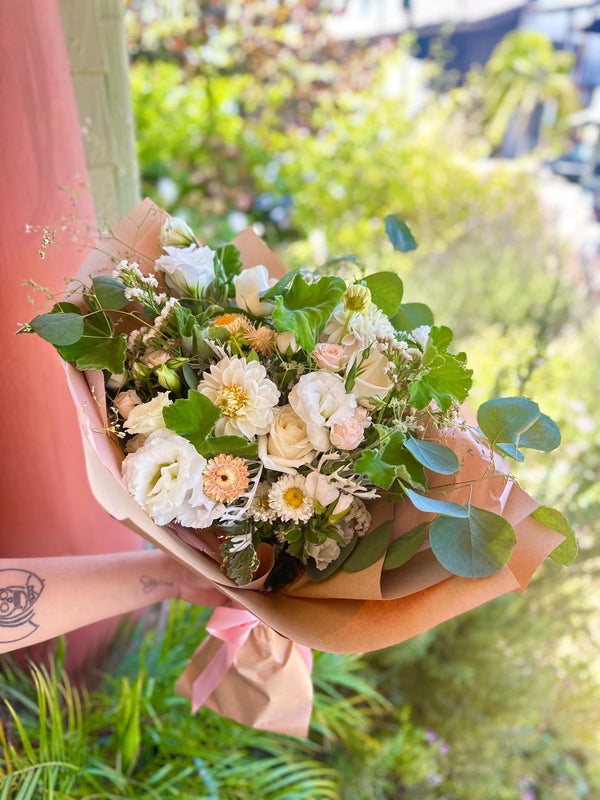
x,y
95,38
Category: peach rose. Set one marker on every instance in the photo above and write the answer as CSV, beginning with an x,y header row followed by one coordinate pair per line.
x,y
125,402
330,357
349,434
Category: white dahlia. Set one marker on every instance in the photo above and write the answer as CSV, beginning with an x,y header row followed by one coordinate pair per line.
x,y
360,330
244,395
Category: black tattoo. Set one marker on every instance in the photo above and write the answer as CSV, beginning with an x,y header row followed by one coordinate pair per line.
x,y
19,591
150,584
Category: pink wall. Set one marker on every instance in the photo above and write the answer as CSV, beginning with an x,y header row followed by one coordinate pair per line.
x,y
46,505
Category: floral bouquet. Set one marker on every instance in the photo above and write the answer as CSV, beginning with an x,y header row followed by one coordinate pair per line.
x,y
295,439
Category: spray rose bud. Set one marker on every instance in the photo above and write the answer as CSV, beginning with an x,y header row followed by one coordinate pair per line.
x,y
168,379
356,299
140,371
176,233
287,344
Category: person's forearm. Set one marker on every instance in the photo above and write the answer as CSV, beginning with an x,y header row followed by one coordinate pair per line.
x,y
43,597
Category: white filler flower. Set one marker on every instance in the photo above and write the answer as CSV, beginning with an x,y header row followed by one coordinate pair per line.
x,y
188,269
359,331
320,400
164,477
244,395
290,500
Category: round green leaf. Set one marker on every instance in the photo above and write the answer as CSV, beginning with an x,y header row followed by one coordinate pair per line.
x,y
399,234
386,291
566,552
544,435
58,328
436,457
506,419
431,506
412,315
474,547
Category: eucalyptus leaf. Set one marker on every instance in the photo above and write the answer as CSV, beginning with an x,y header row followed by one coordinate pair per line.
x,y
436,457
399,234
404,547
543,435
505,419
566,552
190,377
474,547
369,548
193,418
431,506
386,291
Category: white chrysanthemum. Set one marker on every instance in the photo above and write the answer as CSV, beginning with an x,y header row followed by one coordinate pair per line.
x,y
243,393
363,329
260,509
163,475
320,400
290,500
188,268
420,335
148,417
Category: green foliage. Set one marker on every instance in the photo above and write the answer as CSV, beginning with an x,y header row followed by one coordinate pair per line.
x,y
404,548
134,738
386,291
305,308
369,548
399,234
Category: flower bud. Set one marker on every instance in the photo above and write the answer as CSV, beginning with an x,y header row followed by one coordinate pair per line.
x,y
176,363
356,299
168,379
176,233
286,344
140,371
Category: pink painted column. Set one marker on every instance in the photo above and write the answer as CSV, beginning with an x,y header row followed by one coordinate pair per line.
x,y
46,506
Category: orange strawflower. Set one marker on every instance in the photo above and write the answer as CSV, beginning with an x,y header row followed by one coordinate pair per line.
x,y
235,322
225,478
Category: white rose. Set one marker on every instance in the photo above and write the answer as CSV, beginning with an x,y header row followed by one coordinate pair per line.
x,y
188,269
162,474
287,446
287,344
148,417
176,232
320,400
247,286
372,380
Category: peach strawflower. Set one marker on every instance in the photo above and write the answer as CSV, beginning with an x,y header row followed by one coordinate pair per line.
x,y
225,478
235,322
262,340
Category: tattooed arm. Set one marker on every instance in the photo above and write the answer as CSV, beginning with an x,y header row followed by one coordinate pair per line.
x,y
43,597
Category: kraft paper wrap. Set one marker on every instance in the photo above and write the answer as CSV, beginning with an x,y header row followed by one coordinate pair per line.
x,y
348,612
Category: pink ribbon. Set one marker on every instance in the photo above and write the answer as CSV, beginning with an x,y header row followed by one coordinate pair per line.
x,y
232,626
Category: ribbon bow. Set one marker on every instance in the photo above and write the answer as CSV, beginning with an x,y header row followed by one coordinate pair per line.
x,y
274,673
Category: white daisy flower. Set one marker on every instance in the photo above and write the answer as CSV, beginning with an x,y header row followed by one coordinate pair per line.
x,y
290,500
260,509
359,331
243,393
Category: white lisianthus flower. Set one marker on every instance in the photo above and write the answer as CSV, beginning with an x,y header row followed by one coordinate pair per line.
x,y
188,269
176,232
324,492
287,446
290,500
320,400
327,552
247,286
244,395
148,417
361,331
164,477
373,380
